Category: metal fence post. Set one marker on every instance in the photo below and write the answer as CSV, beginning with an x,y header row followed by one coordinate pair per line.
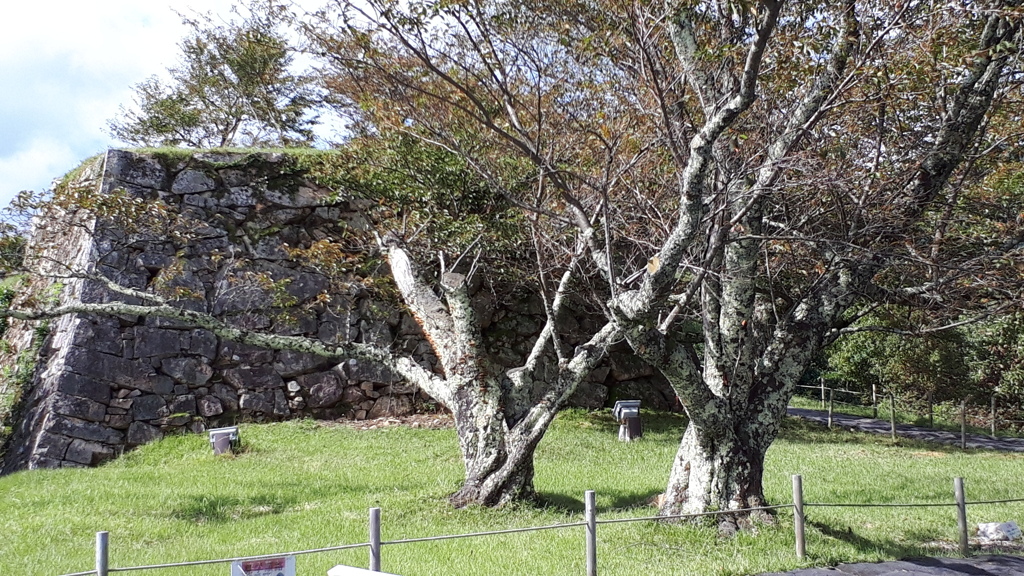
x,y
961,514
798,516
590,513
375,539
102,553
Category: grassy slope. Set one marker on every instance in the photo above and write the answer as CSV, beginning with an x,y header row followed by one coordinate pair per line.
x,y
302,485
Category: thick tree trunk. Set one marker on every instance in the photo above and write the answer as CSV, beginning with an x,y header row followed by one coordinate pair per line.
x,y
493,482
498,460
716,469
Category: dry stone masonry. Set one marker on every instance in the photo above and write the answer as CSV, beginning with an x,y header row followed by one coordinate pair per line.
x,y
102,385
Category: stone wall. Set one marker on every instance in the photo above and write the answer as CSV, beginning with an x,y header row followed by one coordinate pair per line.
x,y
106,384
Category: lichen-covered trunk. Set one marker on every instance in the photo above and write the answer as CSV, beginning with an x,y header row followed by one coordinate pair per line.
x,y
720,468
499,464
501,476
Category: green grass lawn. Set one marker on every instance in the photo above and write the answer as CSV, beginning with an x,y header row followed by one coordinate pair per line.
x,y
302,485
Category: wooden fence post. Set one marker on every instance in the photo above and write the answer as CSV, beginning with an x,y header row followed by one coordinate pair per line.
x,y
821,382
931,411
892,415
963,424
102,553
961,514
830,399
798,516
874,401
590,514
375,539
993,416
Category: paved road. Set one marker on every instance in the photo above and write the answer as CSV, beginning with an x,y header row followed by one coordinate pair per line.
x,y
977,566
907,431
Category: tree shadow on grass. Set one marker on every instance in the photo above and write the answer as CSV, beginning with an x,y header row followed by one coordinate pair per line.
x,y
886,547
206,508
621,500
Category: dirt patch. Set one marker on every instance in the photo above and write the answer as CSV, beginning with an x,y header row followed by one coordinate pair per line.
x,y
429,421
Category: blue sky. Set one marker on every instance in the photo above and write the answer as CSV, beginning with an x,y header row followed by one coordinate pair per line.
x,y
66,67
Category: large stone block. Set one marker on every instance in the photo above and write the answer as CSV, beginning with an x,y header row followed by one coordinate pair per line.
x,y
280,404
376,333
84,430
189,371
353,395
653,393
629,367
253,378
88,453
589,395
78,407
183,405
141,433
239,196
324,389
119,421
336,331
155,384
52,446
305,286
256,402
227,396
210,406
149,407
270,248
157,342
104,367
301,198
77,385
367,372
391,406
302,323
234,353
290,363
138,169
203,343
100,334
192,181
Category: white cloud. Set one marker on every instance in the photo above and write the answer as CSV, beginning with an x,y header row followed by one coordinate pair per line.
x,y
66,67
42,160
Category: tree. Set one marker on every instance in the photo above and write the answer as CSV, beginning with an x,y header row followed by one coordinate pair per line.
x,y
912,365
776,164
233,87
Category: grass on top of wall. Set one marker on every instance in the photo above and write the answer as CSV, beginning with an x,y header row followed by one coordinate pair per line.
x,y
302,484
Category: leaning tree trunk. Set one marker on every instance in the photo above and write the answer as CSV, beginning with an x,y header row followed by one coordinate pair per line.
x,y
498,469
498,423
498,476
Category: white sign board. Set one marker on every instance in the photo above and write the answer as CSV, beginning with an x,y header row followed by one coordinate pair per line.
x,y
350,571
284,566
